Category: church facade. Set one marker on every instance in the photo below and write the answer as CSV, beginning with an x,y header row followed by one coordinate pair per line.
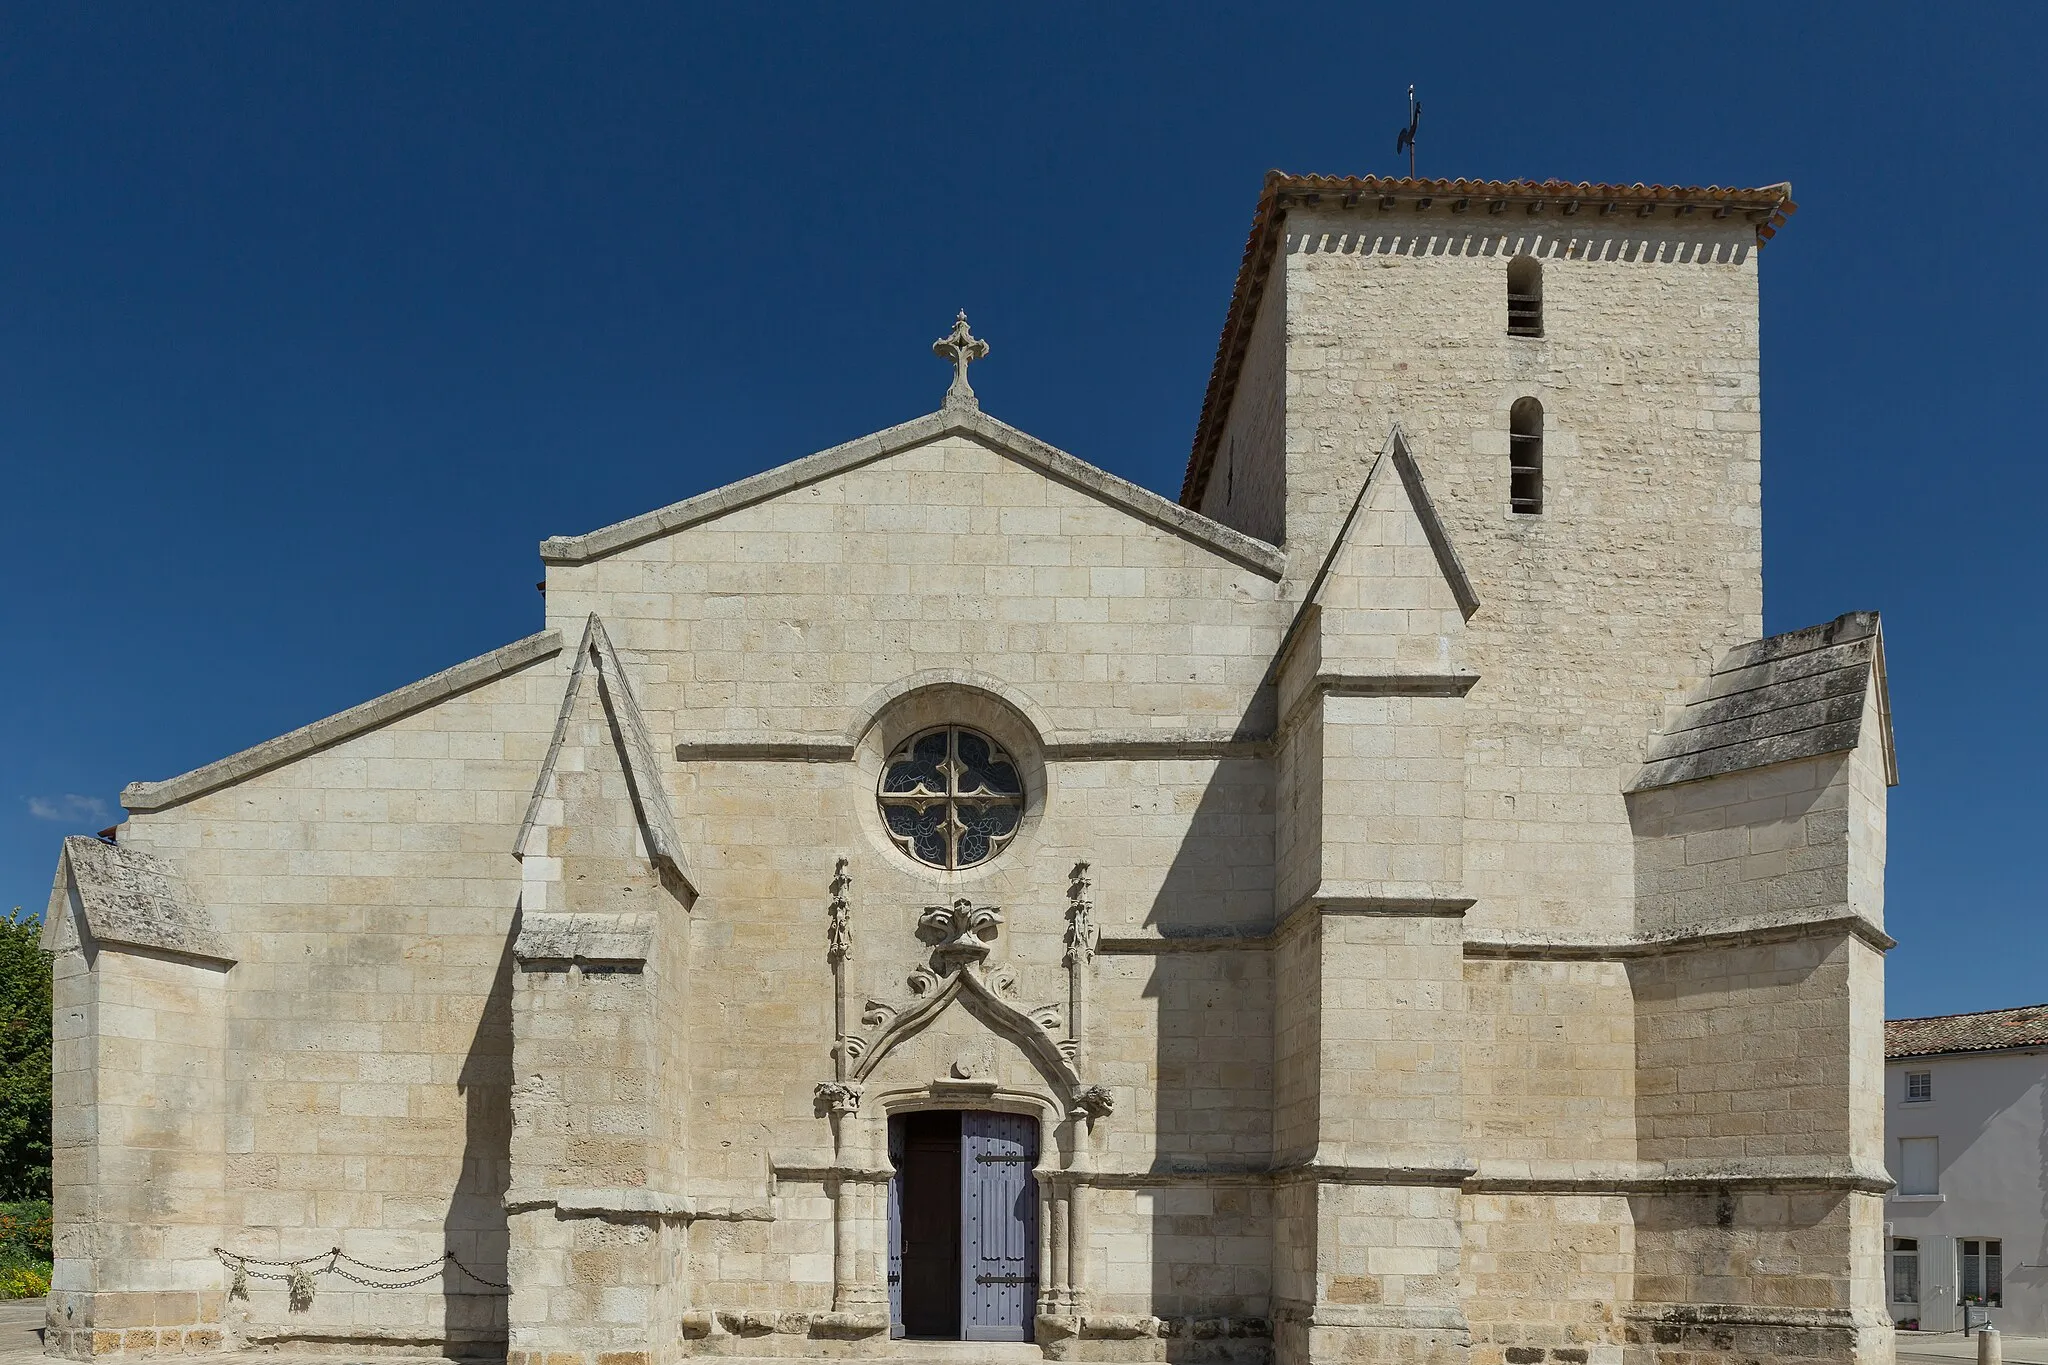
x,y
1391,903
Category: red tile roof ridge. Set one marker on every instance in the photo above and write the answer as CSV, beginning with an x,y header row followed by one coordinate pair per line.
x,y
1261,242
1976,1031
1966,1014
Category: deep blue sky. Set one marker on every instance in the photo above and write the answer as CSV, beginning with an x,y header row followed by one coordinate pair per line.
x,y
315,319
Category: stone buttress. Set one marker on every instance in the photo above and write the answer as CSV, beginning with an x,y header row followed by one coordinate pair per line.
x,y
1369,1147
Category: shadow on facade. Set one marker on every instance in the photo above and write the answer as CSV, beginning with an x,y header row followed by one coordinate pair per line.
x,y
1210,1205
477,1229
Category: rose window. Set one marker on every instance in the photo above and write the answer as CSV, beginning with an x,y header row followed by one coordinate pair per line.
x,y
951,797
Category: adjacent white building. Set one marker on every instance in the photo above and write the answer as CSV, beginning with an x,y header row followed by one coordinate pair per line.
x,y
1965,1100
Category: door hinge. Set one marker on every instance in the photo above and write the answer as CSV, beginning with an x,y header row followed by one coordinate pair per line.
x,y
991,1159
1006,1278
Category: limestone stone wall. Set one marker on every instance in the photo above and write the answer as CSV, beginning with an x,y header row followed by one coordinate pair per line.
x,y
1550,1069
1785,1091
1193,1048
1801,1254
138,1042
1392,783
1768,842
1546,1274
1249,488
1183,1249
1648,375
787,617
370,896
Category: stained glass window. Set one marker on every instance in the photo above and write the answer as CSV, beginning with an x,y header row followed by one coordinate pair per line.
x,y
951,797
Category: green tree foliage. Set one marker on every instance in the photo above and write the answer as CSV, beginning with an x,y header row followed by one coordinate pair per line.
x,y
24,1060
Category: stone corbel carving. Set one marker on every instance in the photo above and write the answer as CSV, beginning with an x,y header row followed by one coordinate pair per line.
x,y
838,1097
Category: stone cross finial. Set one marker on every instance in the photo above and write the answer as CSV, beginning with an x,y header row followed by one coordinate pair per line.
x,y
963,348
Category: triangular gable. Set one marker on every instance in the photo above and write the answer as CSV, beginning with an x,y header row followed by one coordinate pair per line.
x,y
1797,695
598,661
1391,560
128,898
1006,440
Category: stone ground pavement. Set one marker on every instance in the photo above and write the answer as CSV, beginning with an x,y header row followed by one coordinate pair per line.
x,y
1946,1346
21,1341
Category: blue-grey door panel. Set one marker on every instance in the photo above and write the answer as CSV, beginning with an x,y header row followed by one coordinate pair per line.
x,y
896,1227
999,1233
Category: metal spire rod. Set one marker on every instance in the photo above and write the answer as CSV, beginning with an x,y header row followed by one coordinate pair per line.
x,y
1405,139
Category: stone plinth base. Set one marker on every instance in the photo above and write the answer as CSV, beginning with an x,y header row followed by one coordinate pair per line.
x,y
1722,1338
85,1325
1309,1343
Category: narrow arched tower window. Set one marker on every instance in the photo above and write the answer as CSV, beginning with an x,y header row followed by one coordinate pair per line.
x,y
1525,297
1525,456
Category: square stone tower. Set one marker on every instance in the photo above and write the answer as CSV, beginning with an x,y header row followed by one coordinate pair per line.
x,y
1508,435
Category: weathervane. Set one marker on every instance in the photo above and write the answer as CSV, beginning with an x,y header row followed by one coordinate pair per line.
x,y
1404,141
963,348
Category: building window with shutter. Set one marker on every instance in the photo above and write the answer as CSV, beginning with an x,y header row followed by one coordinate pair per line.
x,y
1525,457
1919,1087
1905,1270
1983,1272
1525,297
1918,1173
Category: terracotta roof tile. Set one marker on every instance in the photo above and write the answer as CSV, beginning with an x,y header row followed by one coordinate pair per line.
x,y
1767,206
1984,1031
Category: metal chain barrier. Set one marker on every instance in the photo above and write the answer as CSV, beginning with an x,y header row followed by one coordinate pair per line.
x,y
298,1275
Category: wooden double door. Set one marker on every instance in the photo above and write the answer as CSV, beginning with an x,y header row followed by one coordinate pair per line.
x,y
963,1225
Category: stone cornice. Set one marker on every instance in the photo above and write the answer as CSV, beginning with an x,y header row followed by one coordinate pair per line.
x,y
1142,503
357,720
1311,909
1621,1178
1102,747
1745,931
1374,685
1675,1177
1231,938
634,1202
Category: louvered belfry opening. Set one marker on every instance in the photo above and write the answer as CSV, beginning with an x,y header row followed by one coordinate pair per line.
x,y
1525,457
1525,297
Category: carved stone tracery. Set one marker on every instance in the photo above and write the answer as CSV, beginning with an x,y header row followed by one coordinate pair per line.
x,y
960,938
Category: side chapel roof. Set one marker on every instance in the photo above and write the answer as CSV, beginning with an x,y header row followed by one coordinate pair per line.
x,y
1983,1031
332,730
131,898
1797,695
1766,206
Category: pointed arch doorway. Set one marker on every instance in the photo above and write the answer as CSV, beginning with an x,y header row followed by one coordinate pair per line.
x,y
963,1225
